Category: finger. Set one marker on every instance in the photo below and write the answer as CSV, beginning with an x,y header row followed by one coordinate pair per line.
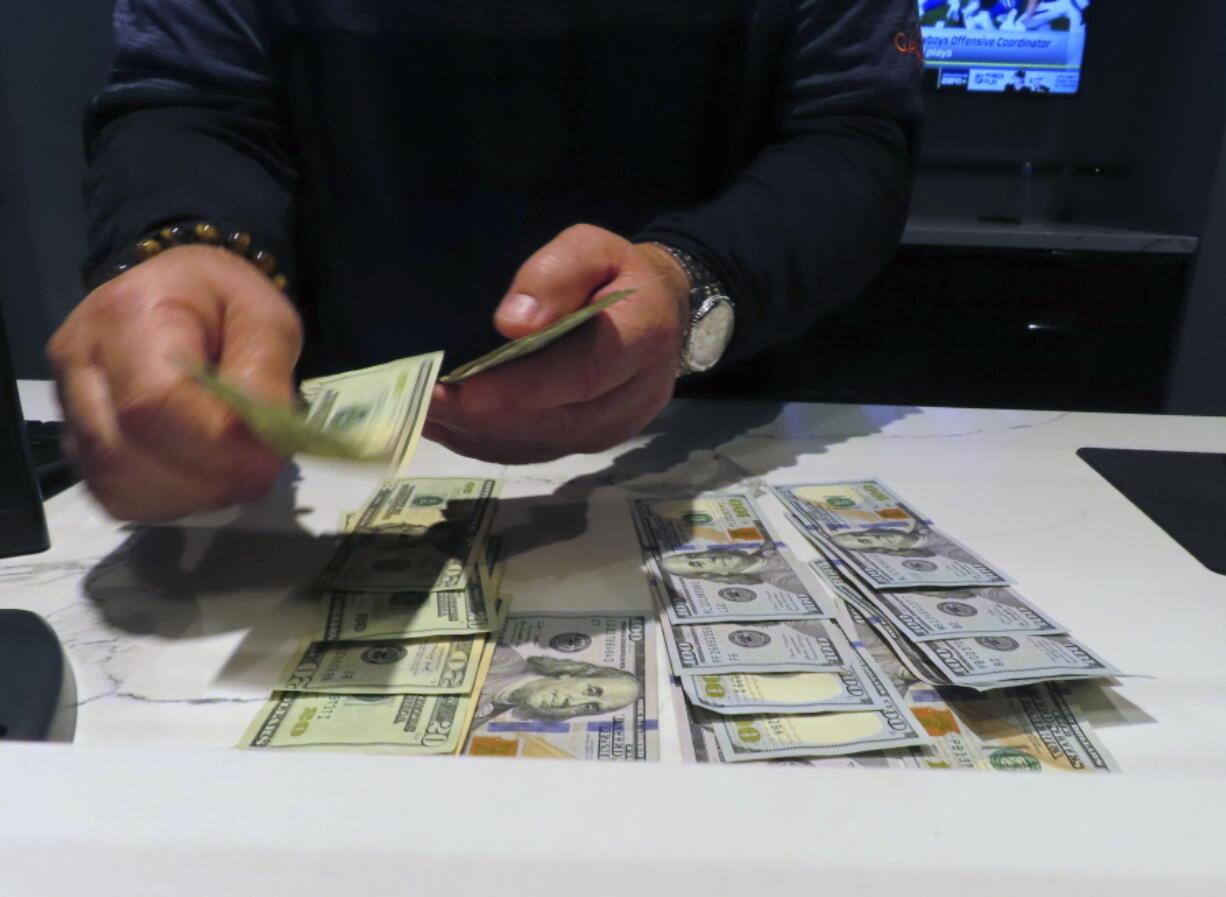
x,y
143,340
575,369
162,411
630,338
85,406
89,414
261,342
129,483
559,278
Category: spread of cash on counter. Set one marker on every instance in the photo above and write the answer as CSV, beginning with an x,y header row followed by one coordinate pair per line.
x,y
896,646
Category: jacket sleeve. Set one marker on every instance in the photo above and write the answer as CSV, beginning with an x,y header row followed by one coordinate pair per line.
x,y
189,127
820,209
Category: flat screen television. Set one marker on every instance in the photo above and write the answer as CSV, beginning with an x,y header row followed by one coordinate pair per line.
x,y
1016,47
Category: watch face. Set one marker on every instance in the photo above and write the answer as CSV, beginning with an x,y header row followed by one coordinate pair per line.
x,y
709,336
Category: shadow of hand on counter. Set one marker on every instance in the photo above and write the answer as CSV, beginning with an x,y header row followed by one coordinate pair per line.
x,y
696,445
191,579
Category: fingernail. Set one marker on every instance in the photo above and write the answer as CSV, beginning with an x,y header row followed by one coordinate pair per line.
x,y
519,307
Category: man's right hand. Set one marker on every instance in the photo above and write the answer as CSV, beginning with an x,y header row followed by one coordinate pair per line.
x,y
150,442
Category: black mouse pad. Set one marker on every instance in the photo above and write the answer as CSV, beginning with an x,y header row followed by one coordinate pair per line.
x,y
1182,492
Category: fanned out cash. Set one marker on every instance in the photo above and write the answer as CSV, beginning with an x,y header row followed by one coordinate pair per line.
x,y
381,408
534,342
990,661
777,680
976,636
401,724
717,561
792,664
933,615
575,686
853,601
1028,728
418,534
398,671
908,552
374,415
881,684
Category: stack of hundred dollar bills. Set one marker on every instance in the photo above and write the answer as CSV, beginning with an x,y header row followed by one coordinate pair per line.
x,y
982,667
783,662
766,670
960,622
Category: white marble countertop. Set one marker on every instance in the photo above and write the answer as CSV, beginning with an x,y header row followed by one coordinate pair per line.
x,y
177,632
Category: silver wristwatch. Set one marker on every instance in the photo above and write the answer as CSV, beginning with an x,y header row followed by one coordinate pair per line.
x,y
712,315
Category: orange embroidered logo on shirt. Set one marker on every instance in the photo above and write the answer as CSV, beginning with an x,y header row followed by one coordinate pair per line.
x,y
911,44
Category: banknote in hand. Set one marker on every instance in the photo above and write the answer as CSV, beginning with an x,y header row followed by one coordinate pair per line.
x,y
375,414
534,342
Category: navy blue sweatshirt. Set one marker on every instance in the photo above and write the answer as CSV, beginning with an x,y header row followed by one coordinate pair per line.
x,y
401,158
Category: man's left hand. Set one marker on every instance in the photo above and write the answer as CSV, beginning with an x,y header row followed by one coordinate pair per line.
x,y
595,387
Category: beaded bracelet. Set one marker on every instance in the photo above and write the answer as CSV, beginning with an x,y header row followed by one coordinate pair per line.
x,y
203,233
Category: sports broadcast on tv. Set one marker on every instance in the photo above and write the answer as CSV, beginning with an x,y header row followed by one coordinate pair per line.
x,y
1004,46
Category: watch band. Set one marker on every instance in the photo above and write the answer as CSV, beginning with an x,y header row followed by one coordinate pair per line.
x,y
705,291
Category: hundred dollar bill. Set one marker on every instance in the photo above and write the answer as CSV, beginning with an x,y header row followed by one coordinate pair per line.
x,y
915,657
422,666
393,724
579,686
418,534
849,506
769,693
868,632
769,737
698,744
921,557
717,561
382,409
1000,660
960,613
534,342
787,646
358,616
1033,728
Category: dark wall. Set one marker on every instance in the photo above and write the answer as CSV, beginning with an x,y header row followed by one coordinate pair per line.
x,y
53,56
1150,112
1198,377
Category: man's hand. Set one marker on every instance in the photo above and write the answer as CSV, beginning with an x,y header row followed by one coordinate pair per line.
x,y
595,387
151,443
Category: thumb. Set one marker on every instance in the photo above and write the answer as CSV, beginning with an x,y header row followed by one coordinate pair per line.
x,y
559,278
